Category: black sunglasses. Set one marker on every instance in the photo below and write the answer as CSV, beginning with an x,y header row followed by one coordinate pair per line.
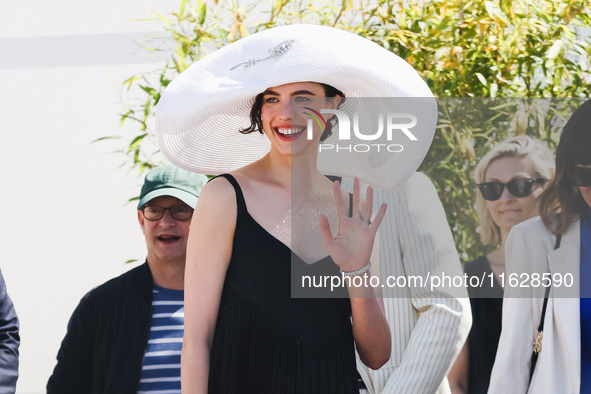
x,y
581,176
520,187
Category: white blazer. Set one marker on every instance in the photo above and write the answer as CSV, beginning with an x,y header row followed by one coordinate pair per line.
x,y
428,326
530,249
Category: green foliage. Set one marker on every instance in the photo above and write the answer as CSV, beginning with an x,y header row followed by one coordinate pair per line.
x,y
516,49
467,129
463,49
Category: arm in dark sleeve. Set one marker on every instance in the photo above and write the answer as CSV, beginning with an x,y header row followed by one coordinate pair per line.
x,y
9,342
75,359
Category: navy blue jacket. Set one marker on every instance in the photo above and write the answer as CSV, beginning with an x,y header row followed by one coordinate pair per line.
x,y
9,341
104,347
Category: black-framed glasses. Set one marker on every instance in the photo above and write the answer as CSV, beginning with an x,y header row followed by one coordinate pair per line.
x,y
581,176
520,187
177,212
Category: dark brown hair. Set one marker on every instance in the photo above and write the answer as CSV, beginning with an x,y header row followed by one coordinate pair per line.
x,y
256,123
561,203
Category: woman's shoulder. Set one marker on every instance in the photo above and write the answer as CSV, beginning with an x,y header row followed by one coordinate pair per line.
x,y
254,170
216,208
531,226
250,175
530,235
218,189
527,245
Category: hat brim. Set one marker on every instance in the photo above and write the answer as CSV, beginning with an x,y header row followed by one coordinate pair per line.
x,y
186,197
199,116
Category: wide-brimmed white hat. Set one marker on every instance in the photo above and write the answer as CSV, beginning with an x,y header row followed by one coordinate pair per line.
x,y
199,116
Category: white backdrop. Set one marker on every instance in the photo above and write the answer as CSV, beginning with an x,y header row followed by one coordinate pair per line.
x,y
65,224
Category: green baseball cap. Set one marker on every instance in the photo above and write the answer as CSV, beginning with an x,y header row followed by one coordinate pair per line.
x,y
172,181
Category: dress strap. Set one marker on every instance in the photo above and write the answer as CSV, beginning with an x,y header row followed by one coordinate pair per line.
x,y
241,204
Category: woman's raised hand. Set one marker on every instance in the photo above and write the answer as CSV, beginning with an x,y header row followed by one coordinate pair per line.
x,y
351,248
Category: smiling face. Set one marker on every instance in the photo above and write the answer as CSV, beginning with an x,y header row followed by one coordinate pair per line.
x,y
509,210
284,119
166,238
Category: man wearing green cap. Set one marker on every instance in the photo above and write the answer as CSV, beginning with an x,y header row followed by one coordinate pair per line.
x,y
126,335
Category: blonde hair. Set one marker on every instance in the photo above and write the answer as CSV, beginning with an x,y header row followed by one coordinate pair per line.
x,y
521,146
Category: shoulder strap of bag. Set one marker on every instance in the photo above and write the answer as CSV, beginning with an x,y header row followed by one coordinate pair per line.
x,y
538,340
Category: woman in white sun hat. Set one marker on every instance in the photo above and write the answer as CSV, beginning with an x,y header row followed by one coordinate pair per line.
x,y
273,218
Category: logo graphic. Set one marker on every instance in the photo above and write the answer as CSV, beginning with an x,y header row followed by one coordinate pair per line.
x,y
388,124
318,118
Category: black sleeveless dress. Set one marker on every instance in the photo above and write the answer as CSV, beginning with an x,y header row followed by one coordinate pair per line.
x,y
487,308
265,341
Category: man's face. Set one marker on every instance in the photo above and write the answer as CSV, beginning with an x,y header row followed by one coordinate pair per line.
x,y
166,238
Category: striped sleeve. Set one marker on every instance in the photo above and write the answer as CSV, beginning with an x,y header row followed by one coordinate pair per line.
x,y
428,326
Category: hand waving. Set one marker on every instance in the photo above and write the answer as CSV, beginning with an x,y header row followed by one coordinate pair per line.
x,y
351,248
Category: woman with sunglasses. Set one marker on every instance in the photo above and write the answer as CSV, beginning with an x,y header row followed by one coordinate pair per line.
x,y
509,179
552,320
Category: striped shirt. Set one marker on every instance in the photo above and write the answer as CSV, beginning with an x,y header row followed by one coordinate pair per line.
x,y
161,370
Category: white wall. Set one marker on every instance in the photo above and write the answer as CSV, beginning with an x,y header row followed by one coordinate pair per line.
x,y
65,224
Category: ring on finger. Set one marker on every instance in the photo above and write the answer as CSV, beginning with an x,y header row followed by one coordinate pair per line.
x,y
367,220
